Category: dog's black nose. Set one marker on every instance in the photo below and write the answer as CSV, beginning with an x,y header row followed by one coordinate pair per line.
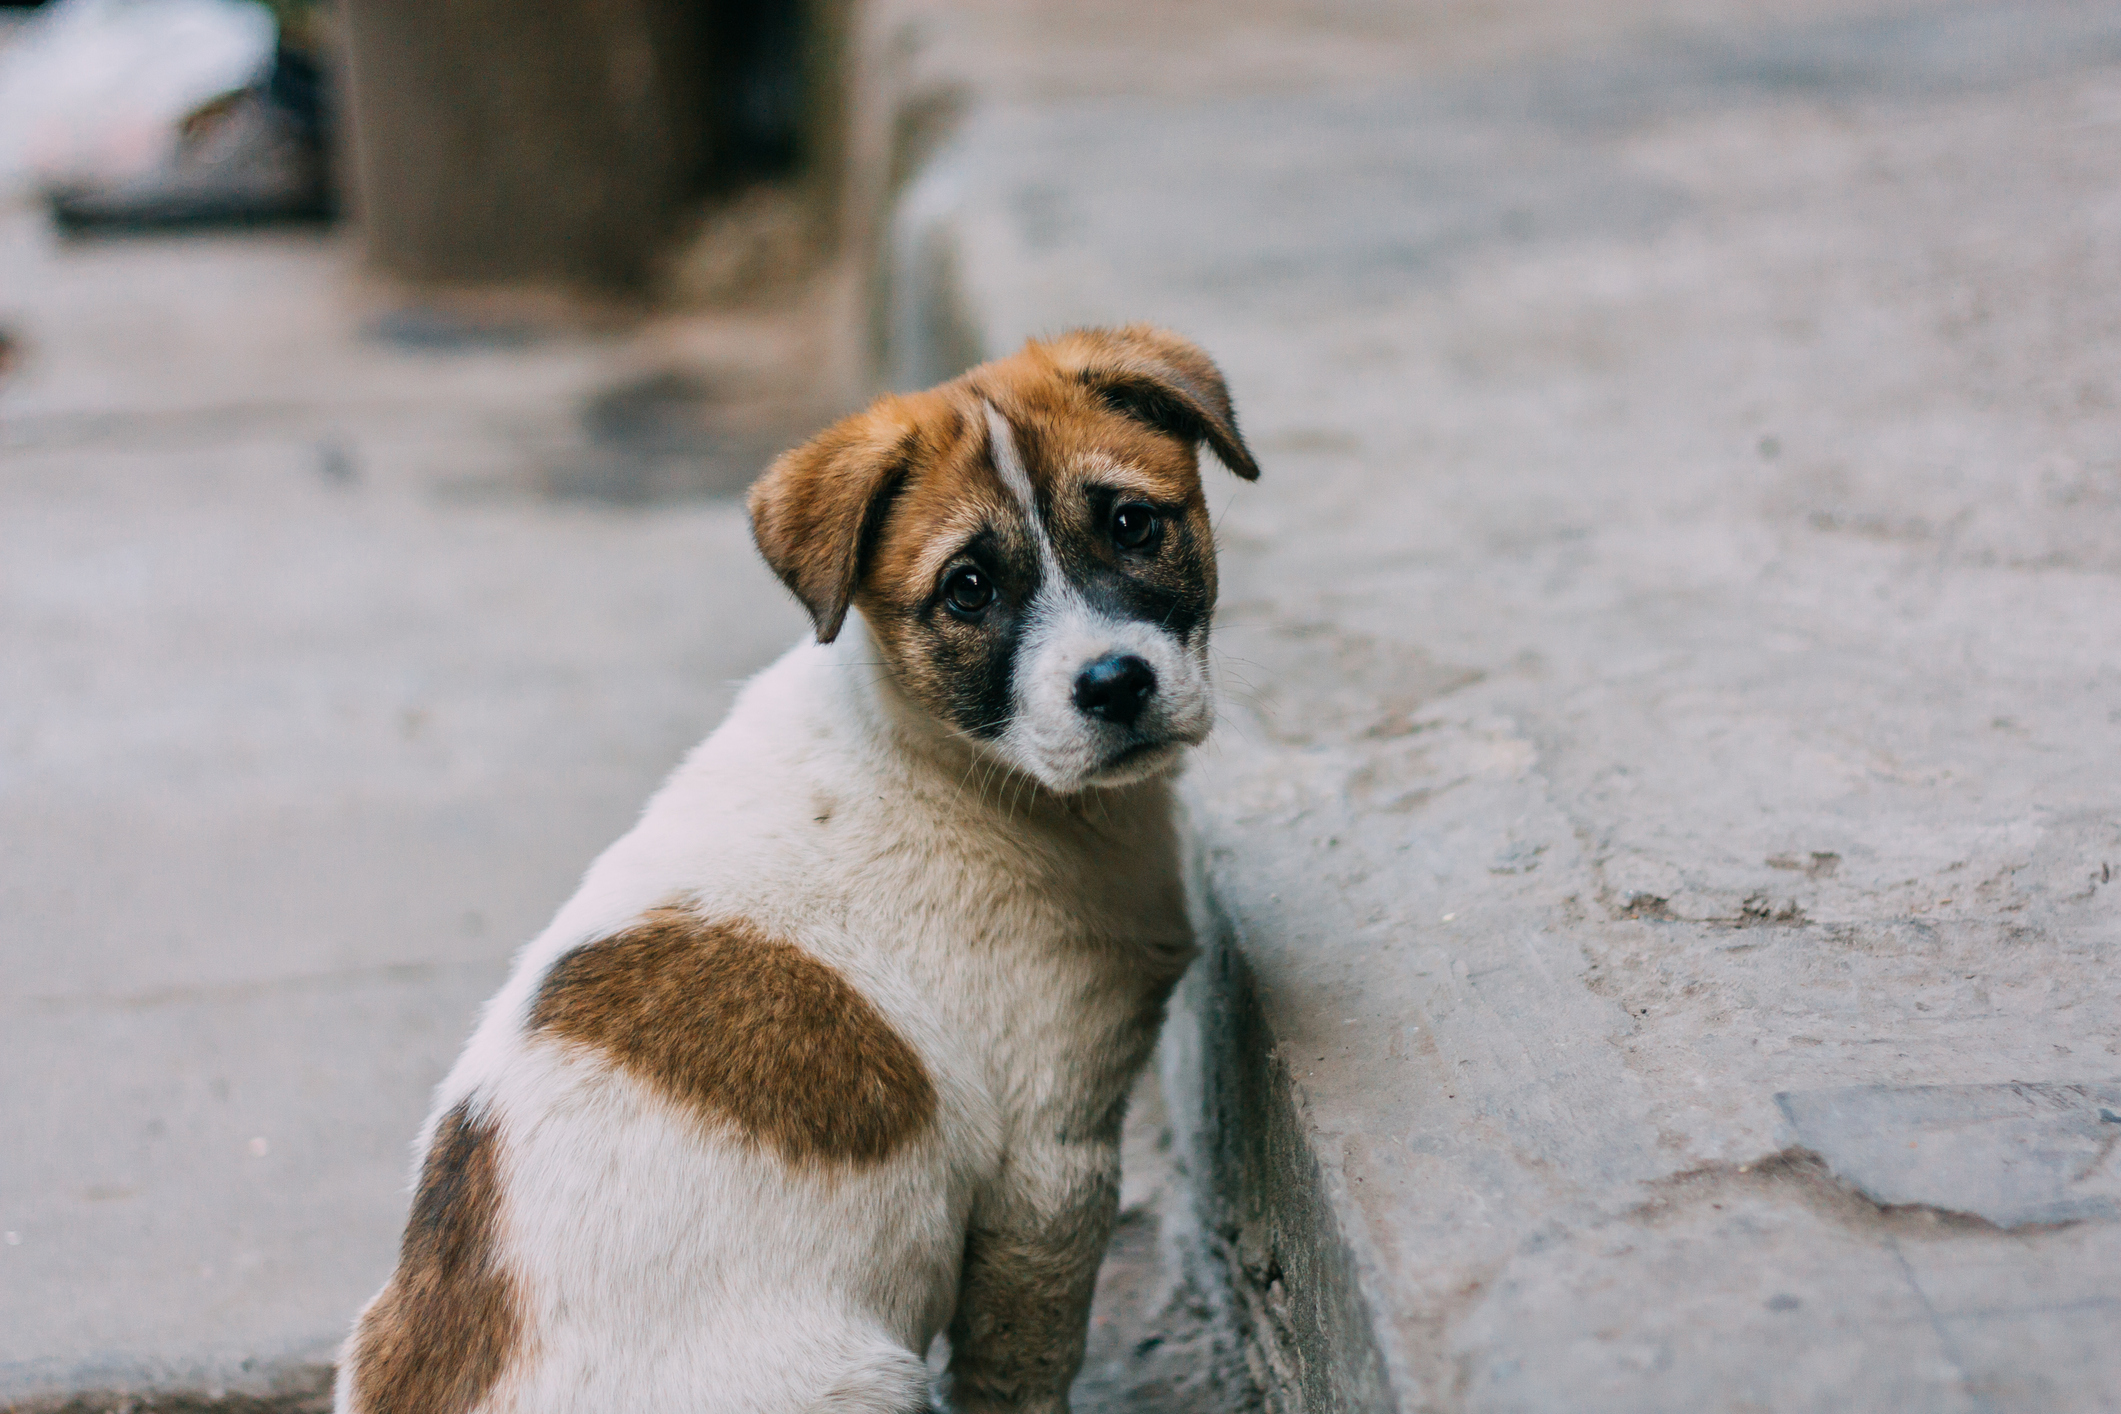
x,y
1115,688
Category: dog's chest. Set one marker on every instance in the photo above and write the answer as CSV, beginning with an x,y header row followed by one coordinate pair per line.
x,y
1047,946
1030,947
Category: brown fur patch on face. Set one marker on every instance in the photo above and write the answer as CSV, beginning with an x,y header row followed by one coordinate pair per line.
x,y
1101,419
1161,380
1085,459
816,511
444,1328
952,512
745,1030
883,508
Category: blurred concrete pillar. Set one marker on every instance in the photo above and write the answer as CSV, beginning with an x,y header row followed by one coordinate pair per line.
x,y
510,140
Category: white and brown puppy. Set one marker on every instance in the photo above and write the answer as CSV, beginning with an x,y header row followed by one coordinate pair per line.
x,y
829,1054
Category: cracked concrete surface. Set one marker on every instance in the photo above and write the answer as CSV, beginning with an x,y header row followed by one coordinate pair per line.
x,y
1673,666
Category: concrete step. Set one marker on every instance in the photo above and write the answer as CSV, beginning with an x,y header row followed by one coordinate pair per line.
x,y
1661,848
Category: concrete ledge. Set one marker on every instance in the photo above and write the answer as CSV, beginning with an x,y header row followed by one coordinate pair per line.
x,y
1275,1212
1672,735
292,1386
1269,1221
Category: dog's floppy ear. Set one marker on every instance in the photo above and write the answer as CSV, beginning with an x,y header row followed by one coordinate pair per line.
x,y
817,509
1155,377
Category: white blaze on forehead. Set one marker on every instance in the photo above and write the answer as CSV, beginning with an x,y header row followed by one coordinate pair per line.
x,y
1047,734
1055,591
1062,631
1009,465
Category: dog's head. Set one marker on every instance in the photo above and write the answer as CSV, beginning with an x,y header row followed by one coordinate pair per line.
x,y
1030,547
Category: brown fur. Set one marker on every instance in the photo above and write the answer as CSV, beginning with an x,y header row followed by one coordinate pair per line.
x,y
1154,375
824,514
746,1031
816,507
441,1333
877,510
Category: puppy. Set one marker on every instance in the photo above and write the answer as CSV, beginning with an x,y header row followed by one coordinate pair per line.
x,y
830,1052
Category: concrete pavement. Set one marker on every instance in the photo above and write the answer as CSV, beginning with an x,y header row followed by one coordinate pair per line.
x,y
1663,840
316,703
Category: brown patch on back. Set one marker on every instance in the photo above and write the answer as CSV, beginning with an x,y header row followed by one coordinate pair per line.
x,y
747,1031
443,1329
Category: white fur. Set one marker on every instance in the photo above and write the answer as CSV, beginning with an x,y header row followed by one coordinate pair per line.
x,y
1047,737
1019,940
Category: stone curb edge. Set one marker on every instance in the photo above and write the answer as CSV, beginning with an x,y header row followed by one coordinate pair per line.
x,y
1267,1202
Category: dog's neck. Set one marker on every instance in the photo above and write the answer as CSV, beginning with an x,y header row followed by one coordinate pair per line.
x,y
958,761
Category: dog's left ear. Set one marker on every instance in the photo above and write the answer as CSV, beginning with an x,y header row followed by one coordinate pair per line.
x,y
1155,377
817,510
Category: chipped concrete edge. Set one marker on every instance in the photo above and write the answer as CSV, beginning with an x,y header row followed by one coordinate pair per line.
x,y
1272,1202
298,1382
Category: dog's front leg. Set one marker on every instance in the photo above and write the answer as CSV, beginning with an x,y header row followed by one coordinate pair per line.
x,y
1031,1258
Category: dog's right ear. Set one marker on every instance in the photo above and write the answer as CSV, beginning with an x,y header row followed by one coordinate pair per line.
x,y
1162,379
816,511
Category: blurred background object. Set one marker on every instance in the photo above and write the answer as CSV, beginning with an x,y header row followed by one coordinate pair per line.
x,y
631,148
95,92
496,141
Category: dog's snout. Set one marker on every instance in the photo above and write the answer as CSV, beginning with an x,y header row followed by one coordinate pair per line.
x,y
1115,688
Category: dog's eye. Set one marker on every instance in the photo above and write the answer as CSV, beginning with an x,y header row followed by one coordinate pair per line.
x,y
968,591
1135,526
